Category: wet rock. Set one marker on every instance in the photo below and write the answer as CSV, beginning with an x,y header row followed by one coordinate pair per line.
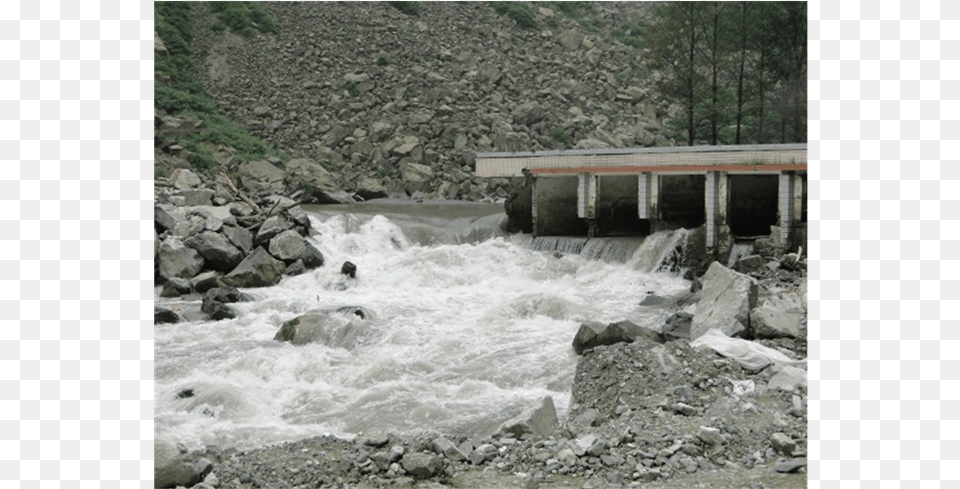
x,y
205,281
325,328
173,468
295,268
227,295
349,269
217,252
258,269
538,418
592,334
270,228
287,246
163,315
789,466
175,287
311,257
727,299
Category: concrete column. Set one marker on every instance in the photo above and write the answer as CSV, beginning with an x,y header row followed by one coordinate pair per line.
x,y
785,206
587,196
654,196
533,205
643,195
711,205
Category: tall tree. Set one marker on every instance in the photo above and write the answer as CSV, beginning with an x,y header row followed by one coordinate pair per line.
x,y
715,37
673,38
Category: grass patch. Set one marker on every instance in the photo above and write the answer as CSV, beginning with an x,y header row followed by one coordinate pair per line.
x,y
631,34
560,136
409,8
352,88
574,10
381,61
177,92
244,18
519,12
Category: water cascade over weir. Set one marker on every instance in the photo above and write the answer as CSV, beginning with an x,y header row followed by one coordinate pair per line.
x,y
662,251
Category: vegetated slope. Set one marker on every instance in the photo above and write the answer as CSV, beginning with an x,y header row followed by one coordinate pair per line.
x,y
367,90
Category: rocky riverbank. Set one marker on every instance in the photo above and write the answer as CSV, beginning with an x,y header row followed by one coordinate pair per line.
x,y
647,410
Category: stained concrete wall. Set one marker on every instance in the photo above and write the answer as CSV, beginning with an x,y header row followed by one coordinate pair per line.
x,y
681,201
753,204
555,207
617,207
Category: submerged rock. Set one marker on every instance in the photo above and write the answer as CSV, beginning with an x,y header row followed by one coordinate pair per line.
x,y
258,269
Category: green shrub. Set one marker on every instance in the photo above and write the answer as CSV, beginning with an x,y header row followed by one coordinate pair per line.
x,y
517,11
560,136
244,18
574,10
352,88
409,8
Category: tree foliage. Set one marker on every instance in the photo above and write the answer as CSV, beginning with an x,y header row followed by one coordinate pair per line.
x,y
737,69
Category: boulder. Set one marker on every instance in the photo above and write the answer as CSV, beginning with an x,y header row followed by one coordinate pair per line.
x,y
329,328
349,269
196,197
217,252
538,418
782,444
205,281
174,259
445,447
295,268
287,246
727,299
369,188
788,379
332,196
414,176
167,216
239,237
307,172
226,295
592,334
571,39
258,269
678,325
777,317
261,177
312,257
271,227
420,464
175,287
172,468
163,315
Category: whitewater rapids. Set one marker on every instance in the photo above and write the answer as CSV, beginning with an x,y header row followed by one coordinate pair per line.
x,y
467,326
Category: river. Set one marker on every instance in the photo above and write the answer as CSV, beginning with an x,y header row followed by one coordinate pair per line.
x,y
465,327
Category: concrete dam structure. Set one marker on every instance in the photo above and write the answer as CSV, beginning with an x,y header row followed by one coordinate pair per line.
x,y
734,192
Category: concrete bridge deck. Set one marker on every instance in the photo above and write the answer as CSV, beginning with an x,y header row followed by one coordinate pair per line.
x,y
746,190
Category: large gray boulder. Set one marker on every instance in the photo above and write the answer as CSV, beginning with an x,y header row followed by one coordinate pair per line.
x,y
184,179
261,177
421,465
312,257
777,317
239,237
727,299
340,329
174,259
592,334
173,468
218,253
538,418
415,176
305,171
271,227
288,246
258,269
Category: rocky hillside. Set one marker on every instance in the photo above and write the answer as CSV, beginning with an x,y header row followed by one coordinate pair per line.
x,y
397,103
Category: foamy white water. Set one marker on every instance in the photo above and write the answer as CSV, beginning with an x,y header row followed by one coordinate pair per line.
x,y
460,337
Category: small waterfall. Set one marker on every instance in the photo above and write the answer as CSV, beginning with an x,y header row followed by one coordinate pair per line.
x,y
663,251
563,244
613,250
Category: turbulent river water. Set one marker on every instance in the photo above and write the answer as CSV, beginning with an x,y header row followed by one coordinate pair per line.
x,y
465,327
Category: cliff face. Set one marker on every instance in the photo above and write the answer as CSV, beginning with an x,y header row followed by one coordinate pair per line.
x,y
387,100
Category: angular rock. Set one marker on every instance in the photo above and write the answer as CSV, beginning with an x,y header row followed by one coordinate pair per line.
x,y
166,217
592,334
789,466
775,318
295,268
218,253
349,269
483,453
369,188
258,269
184,179
271,227
538,418
727,299
226,295
311,257
788,379
176,260
287,246
783,444
445,447
239,237
205,281
678,325
309,173
710,436
320,328
261,177
196,197
163,315
175,287
571,39
415,176
421,465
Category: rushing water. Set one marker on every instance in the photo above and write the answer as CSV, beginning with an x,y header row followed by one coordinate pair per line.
x,y
465,327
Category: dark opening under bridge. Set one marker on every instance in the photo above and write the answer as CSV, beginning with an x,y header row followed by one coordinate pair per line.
x,y
733,191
